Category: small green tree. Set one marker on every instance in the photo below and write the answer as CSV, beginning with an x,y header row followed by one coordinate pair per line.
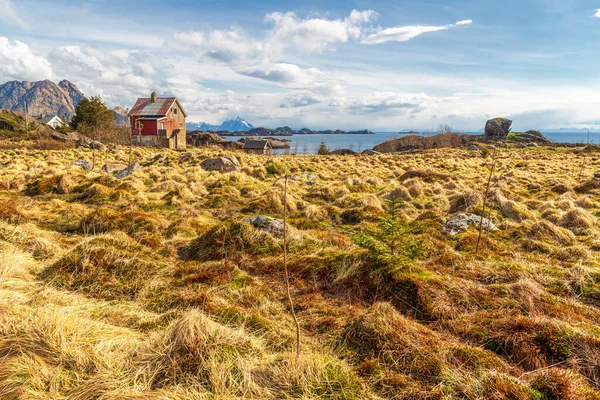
x,y
323,149
92,114
391,238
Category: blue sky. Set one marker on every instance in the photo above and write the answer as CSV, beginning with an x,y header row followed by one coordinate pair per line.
x,y
384,65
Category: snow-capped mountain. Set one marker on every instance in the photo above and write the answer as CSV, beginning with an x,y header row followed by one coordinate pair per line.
x,y
230,125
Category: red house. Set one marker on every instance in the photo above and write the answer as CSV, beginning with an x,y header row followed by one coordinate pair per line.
x,y
158,121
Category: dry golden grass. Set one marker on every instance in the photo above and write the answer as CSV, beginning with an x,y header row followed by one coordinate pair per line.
x,y
154,286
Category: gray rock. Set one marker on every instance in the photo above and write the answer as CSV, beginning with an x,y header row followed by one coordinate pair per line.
x,y
85,164
371,152
474,148
111,168
128,171
269,224
159,157
461,222
498,128
221,164
186,157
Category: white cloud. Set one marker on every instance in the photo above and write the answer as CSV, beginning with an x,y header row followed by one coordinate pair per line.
x,y
597,15
397,103
406,33
233,46
118,76
400,34
316,34
17,61
301,98
10,15
289,75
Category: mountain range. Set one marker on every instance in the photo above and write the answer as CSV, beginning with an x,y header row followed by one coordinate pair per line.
x,y
230,125
43,98
47,99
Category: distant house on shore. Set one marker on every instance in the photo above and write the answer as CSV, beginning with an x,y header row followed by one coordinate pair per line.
x,y
257,146
158,121
53,121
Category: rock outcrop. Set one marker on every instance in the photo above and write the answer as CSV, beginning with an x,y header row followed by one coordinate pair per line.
x,y
528,137
371,152
221,164
497,128
201,138
416,142
343,152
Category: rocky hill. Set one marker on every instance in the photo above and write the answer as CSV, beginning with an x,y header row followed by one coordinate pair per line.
x,y
43,98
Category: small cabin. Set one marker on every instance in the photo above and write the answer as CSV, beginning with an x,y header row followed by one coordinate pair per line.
x,y
257,146
53,121
158,121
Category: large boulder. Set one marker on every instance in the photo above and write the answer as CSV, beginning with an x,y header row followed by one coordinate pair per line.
x,y
221,164
461,222
498,128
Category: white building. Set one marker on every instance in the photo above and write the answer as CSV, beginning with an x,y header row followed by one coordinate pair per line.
x,y
54,122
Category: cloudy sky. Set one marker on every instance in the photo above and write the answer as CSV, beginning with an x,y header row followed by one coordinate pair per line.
x,y
382,65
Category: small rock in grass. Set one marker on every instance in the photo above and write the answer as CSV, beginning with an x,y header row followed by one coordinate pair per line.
x,y
461,222
128,171
272,225
111,168
221,164
85,164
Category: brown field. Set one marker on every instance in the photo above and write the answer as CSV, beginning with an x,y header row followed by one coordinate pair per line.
x,y
154,286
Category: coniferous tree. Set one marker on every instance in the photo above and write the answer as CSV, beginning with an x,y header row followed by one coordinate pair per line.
x,y
92,113
323,148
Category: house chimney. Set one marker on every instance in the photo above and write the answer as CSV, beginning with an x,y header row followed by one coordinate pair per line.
x,y
153,97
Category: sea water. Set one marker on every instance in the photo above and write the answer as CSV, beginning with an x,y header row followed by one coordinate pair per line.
x,y
309,144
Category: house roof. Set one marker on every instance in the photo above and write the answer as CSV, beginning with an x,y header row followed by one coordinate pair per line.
x,y
45,120
257,144
145,108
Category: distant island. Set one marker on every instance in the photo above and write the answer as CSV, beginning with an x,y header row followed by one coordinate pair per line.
x,y
287,131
